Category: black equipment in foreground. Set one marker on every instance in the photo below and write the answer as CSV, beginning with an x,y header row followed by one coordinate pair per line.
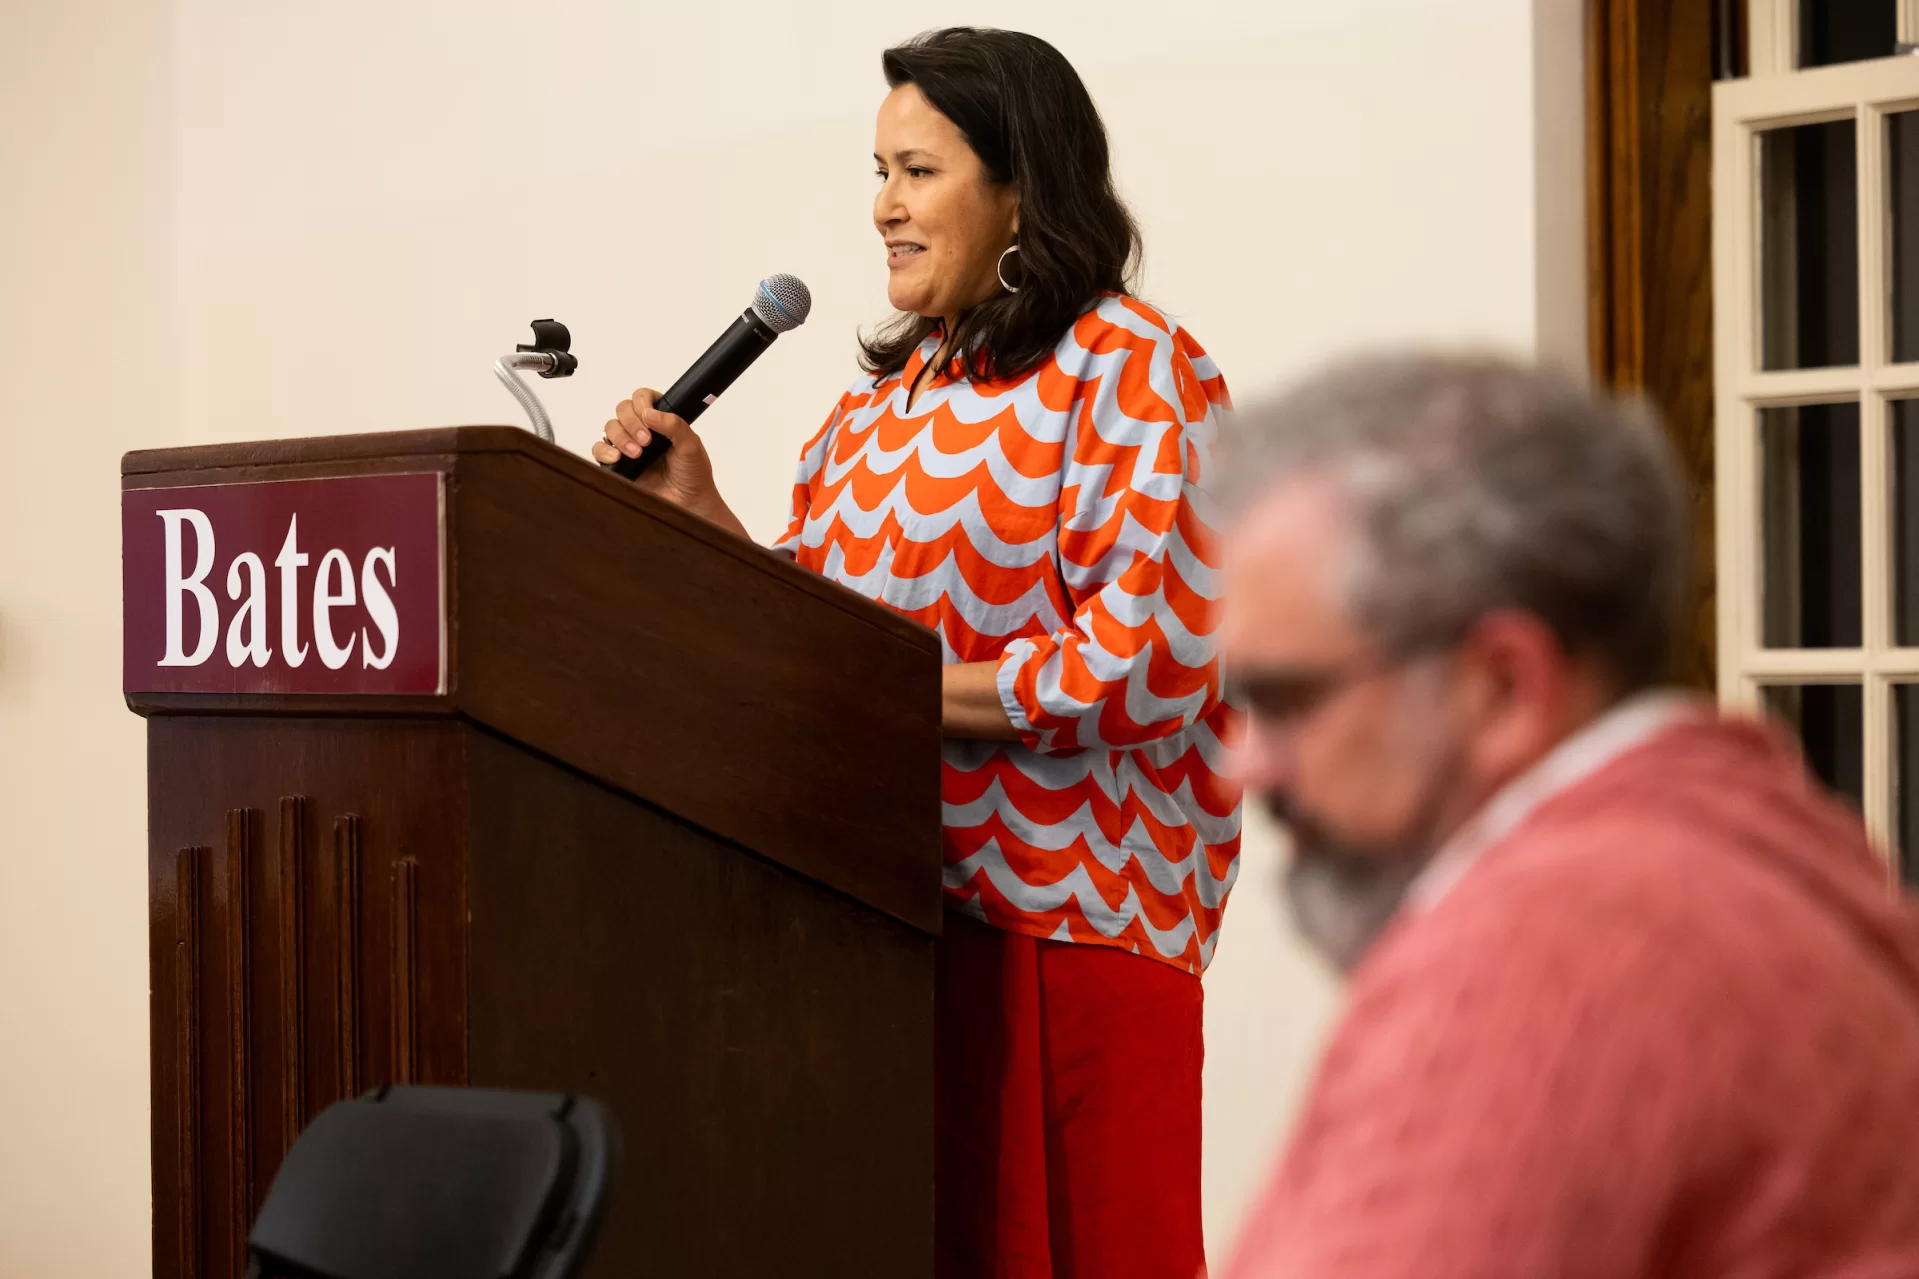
x,y
781,302
453,1183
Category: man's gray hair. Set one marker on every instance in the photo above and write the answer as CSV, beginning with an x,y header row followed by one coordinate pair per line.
x,y
1480,483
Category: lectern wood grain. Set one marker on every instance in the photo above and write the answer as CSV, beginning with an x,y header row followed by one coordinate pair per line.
x,y
670,837
767,1047
609,622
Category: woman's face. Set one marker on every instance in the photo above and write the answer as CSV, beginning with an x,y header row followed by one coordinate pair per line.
x,y
945,222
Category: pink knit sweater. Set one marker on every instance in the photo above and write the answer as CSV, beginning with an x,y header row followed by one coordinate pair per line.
x,y
1668,1026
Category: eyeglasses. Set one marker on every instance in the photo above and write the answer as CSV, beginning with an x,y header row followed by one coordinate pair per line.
x,y
1286,696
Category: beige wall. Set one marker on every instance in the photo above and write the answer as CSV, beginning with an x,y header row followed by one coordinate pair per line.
x,y
86,371
227,220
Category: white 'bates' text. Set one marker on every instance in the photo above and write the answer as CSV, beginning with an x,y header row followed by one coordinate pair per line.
x,y
246,584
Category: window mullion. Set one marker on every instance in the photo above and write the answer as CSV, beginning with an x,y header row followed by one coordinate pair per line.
x,y
1875,463
1877,762
1735,354
1774,35
1875,471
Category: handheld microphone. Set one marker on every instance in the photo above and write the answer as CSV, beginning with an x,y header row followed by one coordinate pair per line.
x,y
780,303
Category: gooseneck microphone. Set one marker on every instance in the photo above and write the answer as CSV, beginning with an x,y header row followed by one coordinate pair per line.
x,y
780,303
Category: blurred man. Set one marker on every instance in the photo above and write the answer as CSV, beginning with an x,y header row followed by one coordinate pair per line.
x,y
1629,994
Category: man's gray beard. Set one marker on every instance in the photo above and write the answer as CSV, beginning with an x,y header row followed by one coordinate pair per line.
x,y
1343,895
1342,901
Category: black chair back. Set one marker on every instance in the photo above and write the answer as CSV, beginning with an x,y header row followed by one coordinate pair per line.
x,y
440,1183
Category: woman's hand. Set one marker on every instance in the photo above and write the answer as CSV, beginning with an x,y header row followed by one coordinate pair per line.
x,y
684,476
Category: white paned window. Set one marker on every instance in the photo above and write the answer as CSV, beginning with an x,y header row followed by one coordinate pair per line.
x,y
1816,299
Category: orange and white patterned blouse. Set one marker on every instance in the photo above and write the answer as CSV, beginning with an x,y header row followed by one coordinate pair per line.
x,y
1056,523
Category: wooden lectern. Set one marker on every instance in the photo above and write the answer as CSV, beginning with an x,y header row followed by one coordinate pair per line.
x,y
468,763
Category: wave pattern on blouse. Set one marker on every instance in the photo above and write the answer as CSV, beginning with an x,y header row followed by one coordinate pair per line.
x,y
1058,524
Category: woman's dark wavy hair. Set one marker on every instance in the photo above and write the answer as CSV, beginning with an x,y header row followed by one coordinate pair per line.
x,y
1022,107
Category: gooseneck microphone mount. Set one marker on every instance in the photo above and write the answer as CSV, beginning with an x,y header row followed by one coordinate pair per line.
x,y
546,355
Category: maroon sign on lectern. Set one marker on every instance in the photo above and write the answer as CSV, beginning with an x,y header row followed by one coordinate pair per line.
x,y
297,586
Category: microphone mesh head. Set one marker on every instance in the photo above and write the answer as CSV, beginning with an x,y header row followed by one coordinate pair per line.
x,y
782,301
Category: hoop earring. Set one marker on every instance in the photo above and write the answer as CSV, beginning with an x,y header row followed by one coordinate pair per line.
x,y
999,268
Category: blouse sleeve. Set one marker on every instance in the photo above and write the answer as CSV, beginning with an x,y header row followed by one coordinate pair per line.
x,y
812,462
1136,662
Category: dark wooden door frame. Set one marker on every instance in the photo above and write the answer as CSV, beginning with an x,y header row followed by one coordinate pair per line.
x,y
1649,72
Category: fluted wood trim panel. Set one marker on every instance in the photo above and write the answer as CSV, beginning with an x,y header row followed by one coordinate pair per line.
x,y
239,868
293,816
346,868
405,974
190,875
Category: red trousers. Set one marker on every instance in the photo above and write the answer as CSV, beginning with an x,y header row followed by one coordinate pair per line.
x,y
1066,1110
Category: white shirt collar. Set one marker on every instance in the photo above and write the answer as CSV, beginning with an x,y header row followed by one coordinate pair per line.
x,y
1633,722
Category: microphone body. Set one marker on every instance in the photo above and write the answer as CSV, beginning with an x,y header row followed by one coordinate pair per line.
x,y
701,384
780,303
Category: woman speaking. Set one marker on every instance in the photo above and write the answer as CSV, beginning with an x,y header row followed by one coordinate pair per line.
x,y
1021,467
